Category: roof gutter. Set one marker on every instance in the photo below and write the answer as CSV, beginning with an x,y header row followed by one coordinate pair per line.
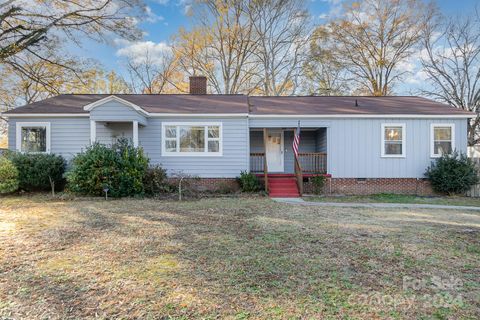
x,y
363,116
45,115
169,115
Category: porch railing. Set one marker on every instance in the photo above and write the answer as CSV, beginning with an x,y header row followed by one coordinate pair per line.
x,y
257,160
310,162
313,162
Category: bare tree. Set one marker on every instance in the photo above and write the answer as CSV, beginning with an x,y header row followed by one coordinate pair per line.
x,y
154,74
452,65
220,46
281,30
323,73
27,27
39,80
374,36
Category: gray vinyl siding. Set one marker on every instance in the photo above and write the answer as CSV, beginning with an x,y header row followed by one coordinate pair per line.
x,y
109,132
288,123
68,135
113,111
321,140
235,156
354,148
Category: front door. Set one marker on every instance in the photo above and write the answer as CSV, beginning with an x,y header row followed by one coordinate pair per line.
x,y
274,149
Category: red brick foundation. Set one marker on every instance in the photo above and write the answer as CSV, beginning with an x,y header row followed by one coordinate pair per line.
x,y
221,185
340,186
352,186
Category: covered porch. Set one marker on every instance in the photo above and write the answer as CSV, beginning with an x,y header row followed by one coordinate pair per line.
x,y
280,158
272,157
109,132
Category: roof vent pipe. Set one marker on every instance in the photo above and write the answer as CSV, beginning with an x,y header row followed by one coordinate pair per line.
x,y
356,103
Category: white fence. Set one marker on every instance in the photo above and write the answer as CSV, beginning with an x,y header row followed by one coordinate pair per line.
x,y
475,190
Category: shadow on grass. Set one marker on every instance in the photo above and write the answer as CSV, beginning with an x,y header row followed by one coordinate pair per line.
x,y
225,258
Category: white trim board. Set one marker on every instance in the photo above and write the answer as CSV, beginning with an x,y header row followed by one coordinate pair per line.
x,y
366,116
166,115
18,134
404,139
432,137
192,154
100,102
46,115
195,115
252,116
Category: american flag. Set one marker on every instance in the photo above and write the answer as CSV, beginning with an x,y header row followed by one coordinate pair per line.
x,y
296,141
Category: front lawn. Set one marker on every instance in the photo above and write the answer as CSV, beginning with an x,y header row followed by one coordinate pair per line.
x,y
234,259
398,198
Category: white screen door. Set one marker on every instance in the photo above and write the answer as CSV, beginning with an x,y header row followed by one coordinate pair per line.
x,y
274,150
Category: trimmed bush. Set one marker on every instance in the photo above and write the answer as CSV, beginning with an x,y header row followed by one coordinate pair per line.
x,y
248,182
318,182
121,168
38,171
155,181
8,176
452,174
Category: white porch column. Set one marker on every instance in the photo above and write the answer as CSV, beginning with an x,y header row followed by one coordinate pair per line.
x,y
135,134
93,131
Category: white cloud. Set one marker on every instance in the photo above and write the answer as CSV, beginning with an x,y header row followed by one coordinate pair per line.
x,y
119,42
417,78
162,2
186,6
336,8
187,9
141,50
152,17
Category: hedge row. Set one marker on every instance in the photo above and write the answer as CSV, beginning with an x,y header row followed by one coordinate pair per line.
x,y
122,170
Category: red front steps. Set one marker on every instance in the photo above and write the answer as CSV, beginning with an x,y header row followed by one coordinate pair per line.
x,y
282,186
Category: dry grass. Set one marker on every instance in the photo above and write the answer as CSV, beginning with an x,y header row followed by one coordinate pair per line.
x,y
397,198
231,259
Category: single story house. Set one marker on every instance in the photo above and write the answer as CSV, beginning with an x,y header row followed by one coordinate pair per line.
x,y
363,144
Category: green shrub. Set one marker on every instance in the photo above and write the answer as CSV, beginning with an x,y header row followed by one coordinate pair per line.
x,y
248,182
38,171
318,183
8,176
155,181
121,168
452,174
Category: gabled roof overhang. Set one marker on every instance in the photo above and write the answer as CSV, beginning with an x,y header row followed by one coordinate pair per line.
x,y
101,102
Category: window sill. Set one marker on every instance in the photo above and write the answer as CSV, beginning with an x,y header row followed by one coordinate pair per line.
x,y
435,156
393,156
191,154
32,152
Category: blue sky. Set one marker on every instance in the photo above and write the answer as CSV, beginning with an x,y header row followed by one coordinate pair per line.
x,y
167,16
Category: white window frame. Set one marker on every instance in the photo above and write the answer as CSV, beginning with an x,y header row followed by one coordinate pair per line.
x,y
404,140
20,125
432,137
192,154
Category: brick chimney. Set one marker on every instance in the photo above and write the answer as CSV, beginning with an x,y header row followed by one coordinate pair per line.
x,y
198,85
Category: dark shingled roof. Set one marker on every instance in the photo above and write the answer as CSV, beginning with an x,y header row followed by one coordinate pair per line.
x,y
331,105
155,103
306,105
